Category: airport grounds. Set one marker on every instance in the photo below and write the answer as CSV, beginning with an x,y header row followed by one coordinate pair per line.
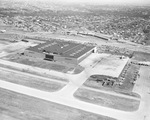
x,y
114,93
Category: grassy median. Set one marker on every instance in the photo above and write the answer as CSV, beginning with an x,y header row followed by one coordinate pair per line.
x,y
107,100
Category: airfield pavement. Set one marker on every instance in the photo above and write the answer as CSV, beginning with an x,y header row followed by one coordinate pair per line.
x,y
104,64
65,96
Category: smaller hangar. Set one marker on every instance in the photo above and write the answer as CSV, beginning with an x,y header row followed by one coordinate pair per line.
x,y
60,51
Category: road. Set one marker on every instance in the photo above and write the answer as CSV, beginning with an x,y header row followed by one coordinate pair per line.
x,y
98,41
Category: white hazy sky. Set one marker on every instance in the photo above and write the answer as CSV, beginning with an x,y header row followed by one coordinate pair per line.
x,y
122,2
140,2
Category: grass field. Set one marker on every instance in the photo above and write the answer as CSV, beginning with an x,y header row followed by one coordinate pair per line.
x,y
34,73
14,106
141,56
56,66
29,81
107,100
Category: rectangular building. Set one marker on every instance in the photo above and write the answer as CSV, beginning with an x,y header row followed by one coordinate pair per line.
x,y
61,51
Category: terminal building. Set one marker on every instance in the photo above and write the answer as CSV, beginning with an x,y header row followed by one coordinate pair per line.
x,y
60,51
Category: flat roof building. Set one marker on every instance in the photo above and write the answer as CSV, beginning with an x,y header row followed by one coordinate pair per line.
x,y
61,51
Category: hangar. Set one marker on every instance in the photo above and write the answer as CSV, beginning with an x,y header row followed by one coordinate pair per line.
x,y
61,51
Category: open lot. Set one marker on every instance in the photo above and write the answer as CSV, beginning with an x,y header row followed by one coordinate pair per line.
x,y
30,81
141,56
107,100
16,106
104,64
93,59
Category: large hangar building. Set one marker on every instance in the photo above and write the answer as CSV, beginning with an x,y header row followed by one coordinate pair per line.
x,y
60,51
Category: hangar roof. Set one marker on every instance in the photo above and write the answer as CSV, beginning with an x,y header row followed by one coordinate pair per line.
x,y
78,51
62,48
